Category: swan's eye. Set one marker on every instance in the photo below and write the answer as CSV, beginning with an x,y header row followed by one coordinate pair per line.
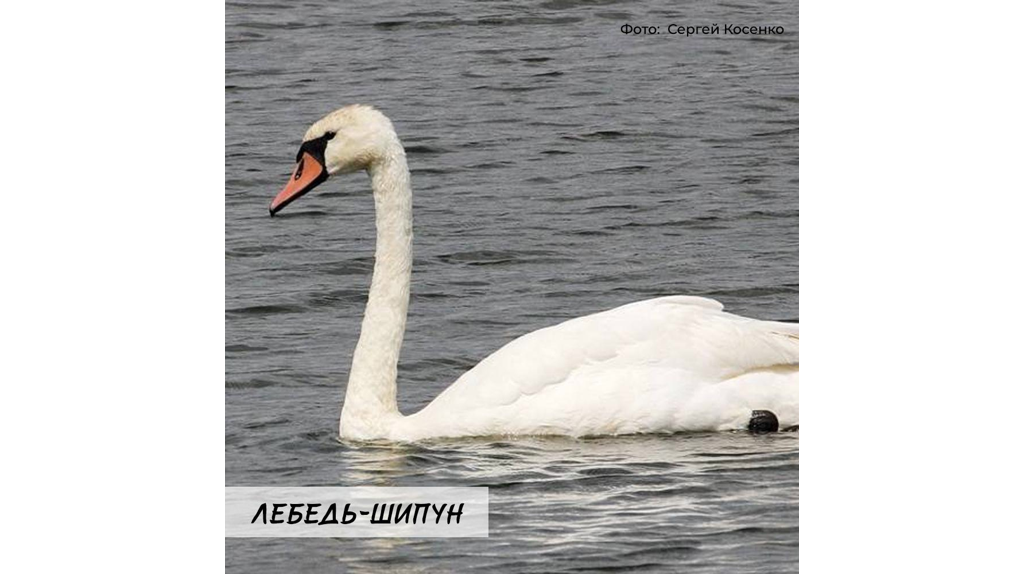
x,y
315,147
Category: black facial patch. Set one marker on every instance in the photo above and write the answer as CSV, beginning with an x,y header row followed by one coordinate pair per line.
x,y
315,147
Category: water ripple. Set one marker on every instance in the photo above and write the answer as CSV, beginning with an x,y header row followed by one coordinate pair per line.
x,y
559,168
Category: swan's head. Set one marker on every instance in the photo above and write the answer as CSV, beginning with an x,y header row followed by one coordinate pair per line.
x,y
346,140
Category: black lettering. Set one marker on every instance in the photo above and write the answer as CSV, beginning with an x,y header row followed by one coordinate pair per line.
x,y
456,514
439,512
263,511
331,516
277,513
376,518
311,512
402,516
345,515
425,507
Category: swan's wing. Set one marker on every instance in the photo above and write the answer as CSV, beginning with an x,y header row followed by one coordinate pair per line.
x,y
689,339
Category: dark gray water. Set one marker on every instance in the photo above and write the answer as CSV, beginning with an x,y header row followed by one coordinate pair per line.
x,y
559,168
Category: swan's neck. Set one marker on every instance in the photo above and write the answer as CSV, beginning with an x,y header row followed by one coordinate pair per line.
x,y
371,404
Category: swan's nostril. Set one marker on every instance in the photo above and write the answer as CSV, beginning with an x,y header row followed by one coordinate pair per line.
x,y
298,169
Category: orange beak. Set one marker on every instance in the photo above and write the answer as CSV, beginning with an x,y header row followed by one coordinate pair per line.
x,y
309,173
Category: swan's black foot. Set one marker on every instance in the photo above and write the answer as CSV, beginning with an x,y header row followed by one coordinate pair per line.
x,y
763,422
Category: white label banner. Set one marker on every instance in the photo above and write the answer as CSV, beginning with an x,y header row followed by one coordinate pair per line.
x,y
355,512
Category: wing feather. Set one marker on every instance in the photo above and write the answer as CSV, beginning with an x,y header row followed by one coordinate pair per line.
x,y
690,337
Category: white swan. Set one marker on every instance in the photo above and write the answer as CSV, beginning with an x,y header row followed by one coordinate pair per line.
x,y
661,365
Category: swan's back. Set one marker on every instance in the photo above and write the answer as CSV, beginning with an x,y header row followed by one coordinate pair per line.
x,y
661,365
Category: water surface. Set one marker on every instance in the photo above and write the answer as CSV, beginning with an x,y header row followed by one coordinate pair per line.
x,y
559,168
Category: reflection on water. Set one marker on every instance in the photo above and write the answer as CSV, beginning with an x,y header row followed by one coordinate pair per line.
x,y
561,504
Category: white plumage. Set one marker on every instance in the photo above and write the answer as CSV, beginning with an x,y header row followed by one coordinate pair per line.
x,y
662,365
668,364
